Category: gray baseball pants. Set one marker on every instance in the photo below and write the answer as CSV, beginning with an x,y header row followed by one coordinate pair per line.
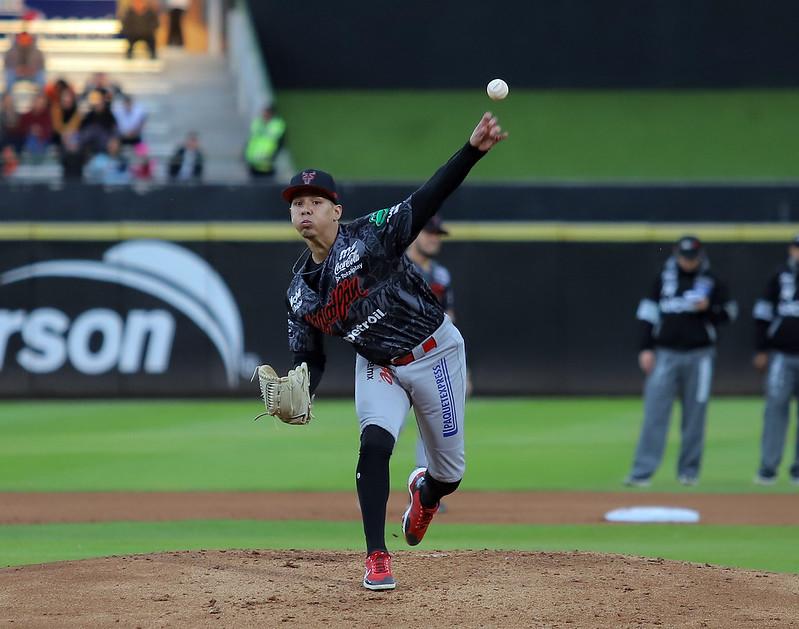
x,y
435,386
782,384
683,375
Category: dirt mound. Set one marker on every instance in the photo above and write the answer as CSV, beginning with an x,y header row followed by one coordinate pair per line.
x,y
464,589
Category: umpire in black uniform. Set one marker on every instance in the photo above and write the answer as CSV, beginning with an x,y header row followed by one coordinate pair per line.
x,y
678,338
777,348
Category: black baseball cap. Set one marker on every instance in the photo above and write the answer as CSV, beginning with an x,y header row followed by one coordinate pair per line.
x,y
311,181
435,226
795,241
688,247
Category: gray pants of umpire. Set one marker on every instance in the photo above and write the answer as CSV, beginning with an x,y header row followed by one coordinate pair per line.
x,y
782,383
683,375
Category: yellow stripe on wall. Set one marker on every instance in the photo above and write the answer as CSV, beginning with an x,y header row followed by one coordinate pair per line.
x,y
460,231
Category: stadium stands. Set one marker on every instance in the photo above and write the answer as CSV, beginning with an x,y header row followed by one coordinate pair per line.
x,y
180,91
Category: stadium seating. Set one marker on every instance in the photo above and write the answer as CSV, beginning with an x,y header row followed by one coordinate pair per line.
x,y
181,91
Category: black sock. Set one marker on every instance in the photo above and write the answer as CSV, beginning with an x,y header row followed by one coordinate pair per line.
x,y
372,481
434,490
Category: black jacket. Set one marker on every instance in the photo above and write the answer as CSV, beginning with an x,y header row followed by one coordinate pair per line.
x,y
176,163
668,314
777,312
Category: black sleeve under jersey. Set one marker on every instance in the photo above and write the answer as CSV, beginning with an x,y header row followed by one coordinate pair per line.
x,y
764,310
427,200
307,345
316,365
723,309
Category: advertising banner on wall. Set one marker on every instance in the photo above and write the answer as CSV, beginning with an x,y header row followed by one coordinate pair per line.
x,y
152,317
143,316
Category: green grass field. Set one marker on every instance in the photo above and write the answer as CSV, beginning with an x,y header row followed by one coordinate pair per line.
x,y
584,135
512,444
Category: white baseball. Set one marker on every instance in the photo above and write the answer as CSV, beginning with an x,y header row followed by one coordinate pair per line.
x,y
497,89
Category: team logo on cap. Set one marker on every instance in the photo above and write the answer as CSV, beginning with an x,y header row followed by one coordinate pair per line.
x,y
308,176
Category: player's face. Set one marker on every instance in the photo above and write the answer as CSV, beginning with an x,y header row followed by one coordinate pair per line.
x,y
689,265
793,251
313,216
429,245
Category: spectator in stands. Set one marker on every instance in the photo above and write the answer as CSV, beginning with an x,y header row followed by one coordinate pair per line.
x,y
24,61
100,81
11,130
29,14
53,90
37,124
139,24
98,125
267,134
187,162
72,157
177,8
65,115
109,167
130,117
143,167
8,161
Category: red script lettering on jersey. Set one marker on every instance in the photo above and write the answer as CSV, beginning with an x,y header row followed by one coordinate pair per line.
x,y
337,309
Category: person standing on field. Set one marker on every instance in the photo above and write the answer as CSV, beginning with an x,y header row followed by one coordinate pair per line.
x,y
679,318
355,282
777,351
423,253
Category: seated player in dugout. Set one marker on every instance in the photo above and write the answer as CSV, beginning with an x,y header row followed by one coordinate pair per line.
x,y
355,282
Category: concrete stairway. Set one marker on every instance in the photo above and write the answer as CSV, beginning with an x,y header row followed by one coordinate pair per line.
x,y
199,96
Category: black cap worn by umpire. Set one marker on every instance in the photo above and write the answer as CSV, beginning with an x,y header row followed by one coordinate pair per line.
x,y
689,247
311,181
795,241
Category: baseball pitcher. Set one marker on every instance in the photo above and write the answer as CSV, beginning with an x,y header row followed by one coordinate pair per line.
x,y
354,281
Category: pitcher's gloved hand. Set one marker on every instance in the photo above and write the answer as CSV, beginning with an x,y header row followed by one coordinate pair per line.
x,y
287,398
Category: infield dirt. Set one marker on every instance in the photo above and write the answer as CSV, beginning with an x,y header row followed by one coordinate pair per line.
x,y
268,588
459,589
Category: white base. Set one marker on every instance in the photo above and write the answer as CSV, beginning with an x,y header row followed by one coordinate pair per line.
x,y
653,514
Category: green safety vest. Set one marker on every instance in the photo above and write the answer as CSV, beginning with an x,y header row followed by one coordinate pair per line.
x,y
263,143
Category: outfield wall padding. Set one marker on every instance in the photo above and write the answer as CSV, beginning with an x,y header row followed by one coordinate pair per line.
x,y
180,290
128,318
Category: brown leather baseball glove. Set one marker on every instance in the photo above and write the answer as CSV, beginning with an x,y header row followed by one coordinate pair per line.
x,y
287,398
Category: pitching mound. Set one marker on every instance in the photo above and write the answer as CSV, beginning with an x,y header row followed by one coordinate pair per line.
x,y
464,589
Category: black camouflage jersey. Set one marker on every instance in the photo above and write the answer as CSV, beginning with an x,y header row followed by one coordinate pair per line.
x,y
366,290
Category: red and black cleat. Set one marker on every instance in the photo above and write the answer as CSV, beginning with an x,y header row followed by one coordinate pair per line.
x,y
416,518
378,571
